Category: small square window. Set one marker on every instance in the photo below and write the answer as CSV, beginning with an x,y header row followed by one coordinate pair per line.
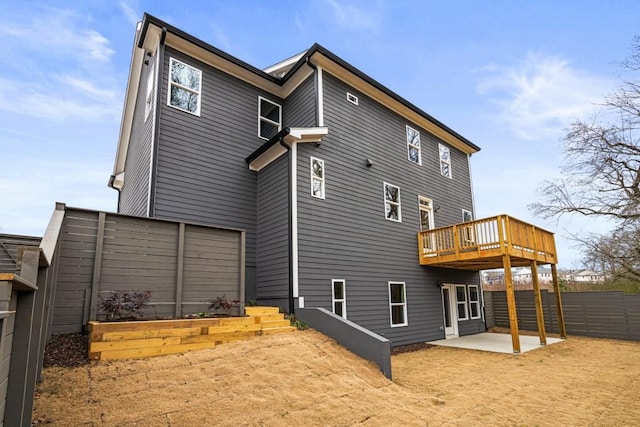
x,y
445,161
398,304
352,98
392,209
185,84
413,146
269,118
317,178
339,297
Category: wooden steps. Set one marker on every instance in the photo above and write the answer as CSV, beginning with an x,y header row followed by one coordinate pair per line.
x,y
140,339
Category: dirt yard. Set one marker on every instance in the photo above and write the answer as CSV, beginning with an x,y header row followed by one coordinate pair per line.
x,y
304,378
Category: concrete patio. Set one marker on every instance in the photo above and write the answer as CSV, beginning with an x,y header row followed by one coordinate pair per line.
x,y
494,342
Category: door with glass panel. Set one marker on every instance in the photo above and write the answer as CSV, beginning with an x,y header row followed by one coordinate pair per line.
x,y
449,307
425,207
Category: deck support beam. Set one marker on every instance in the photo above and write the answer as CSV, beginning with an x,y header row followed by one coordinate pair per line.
x,y
556,292
538,300
511,303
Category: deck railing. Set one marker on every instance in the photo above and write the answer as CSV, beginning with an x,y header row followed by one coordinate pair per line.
x,y
486,238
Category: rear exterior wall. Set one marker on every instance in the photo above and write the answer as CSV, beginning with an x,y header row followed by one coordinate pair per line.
x,y
346,235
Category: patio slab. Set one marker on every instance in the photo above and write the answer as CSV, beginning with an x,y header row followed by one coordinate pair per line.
x,y
497,343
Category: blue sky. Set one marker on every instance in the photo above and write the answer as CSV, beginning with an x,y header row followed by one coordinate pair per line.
x,y
508,75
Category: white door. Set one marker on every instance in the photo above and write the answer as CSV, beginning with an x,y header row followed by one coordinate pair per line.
x,y
450,310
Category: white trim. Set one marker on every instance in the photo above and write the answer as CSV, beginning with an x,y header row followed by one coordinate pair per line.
x,y
448,162
471,316
468,236
453,311
463,303
404,303
294,217
156,83
150,95
296,135
352,98
172,83
320,98
262,118
429,209
410,145
315,178
399,203
344,297
283,67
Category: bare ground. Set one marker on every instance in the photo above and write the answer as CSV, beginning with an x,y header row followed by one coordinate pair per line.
x,y
305,378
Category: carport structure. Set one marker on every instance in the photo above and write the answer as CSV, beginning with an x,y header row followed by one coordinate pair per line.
x,y
497,242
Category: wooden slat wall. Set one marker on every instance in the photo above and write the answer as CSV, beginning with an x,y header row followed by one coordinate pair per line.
x,y
141,254
606,314
9,244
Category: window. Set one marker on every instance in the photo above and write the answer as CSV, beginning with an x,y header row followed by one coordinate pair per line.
x,y
352,98
184,87
392,203
461,301
397,304
467,231
445,161
148,103
317,178
474,301
413,146
339,297
269,118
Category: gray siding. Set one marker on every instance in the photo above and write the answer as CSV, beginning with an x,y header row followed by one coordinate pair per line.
x,y
273,234
202,176
300,105
346,236
142,254
134,197
9,245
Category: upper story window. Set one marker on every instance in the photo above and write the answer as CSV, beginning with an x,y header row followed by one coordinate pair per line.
x,y
339,297
317,178
413,146
185,85
148,101
392,209
398,304
352,98
445,161
269,118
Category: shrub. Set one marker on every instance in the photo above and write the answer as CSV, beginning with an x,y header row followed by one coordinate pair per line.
x,y
223,304
124,305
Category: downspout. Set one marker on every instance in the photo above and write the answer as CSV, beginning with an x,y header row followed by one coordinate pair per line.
x,y
156,126
290,229
110,185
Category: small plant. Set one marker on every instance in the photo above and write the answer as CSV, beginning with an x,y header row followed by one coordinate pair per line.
x,y
252,303
299,324
223,304
124,305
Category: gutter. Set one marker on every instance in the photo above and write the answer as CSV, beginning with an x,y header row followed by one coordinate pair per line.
x,y
315,86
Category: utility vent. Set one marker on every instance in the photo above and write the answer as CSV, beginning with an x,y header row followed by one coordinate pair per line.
x,y
352,98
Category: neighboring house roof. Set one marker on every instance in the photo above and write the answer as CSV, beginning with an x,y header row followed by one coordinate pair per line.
x,y
152,31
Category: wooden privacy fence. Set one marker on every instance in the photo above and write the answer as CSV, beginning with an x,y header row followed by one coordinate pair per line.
x,y
183,265
601,314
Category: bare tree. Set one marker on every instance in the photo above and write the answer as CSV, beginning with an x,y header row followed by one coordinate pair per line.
x,y
601,176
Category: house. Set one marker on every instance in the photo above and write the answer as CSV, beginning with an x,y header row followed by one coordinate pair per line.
x,y
331,174
582,276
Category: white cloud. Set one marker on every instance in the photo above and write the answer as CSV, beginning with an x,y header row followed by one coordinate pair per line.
x,y
351,16
540,95
129,13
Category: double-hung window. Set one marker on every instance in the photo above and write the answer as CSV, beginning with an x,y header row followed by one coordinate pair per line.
x,y
339,297
185,85
317,178
392,210
269,118
461,301
445,161
398,304
413,146
474,301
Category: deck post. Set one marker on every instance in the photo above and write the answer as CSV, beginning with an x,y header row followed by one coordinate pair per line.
x,y
511,303
538,300
556,291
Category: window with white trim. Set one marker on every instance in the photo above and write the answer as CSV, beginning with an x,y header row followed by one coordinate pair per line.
x,y
185,85
467,231
445,161
269,118
461,302
352,98
425,207
474,301
398,304
317,177
413,146
149,98
339,297
392,210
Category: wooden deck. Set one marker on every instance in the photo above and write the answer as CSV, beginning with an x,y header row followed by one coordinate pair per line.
x,y
481,244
